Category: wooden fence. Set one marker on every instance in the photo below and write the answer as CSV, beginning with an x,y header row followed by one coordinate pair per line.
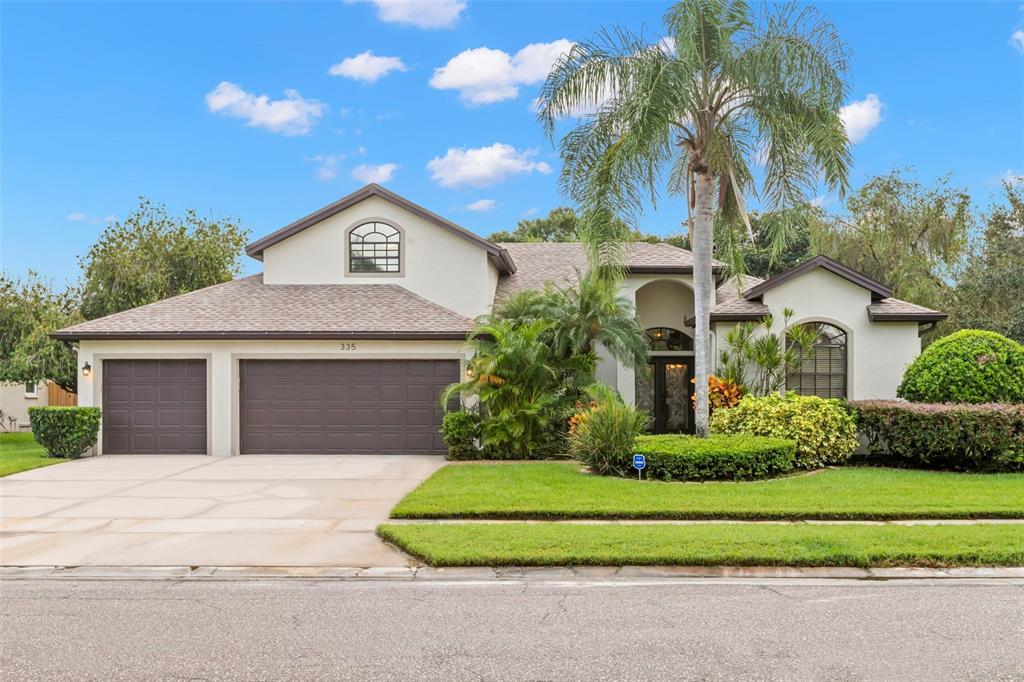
x,y
58,397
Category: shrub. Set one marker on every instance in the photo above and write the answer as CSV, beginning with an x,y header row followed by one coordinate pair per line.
x,y
987,437
461,433
719,457
602,435
970,366
824,432
65,431
721,393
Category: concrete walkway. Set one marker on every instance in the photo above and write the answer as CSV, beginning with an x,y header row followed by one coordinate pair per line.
x,y
182,510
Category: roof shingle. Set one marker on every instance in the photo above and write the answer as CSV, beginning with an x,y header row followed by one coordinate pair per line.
x,y
247,308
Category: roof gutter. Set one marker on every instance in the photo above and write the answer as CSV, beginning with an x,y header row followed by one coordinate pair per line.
x,y
244,335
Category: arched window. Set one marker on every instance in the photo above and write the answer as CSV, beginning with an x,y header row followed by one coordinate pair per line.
x,y
823,372
666,338
375,247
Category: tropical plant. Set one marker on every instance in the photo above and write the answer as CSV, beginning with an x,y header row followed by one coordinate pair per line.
x,y
759,359
824,432
722,393
603,433
524,389
969,366
580,316
721,89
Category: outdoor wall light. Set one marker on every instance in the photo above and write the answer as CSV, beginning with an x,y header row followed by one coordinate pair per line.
x,y
86,369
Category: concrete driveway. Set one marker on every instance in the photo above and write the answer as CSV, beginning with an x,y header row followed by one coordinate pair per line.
x,y
184,510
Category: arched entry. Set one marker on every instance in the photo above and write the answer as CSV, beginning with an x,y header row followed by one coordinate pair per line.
x,y
664,387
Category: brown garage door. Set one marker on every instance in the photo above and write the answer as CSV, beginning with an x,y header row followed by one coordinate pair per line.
x,y
343,406
154,407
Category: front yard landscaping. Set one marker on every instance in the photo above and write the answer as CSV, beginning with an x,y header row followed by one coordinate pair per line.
x,y
547,490
553,544
20,452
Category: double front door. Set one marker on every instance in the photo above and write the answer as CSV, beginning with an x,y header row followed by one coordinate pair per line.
x,y
664,391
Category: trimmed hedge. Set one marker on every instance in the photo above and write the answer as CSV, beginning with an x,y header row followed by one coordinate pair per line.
x,y
461,433
984,438
824,432
718,457
970,366
65,431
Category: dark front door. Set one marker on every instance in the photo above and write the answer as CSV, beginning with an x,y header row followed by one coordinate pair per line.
x,y
664,391
154,407
343,406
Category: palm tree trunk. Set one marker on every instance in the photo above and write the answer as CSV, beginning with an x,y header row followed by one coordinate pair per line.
x,y
703,286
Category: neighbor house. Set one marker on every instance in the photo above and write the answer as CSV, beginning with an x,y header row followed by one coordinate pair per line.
x,y
15,399
358,321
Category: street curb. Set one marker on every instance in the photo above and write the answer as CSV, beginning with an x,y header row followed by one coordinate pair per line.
x,y
604,574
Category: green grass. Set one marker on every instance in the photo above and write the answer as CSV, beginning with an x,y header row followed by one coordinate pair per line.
x,y
552,544
20,452
545,490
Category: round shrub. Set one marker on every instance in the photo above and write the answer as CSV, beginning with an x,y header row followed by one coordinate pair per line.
x,y
602,436
674,457
65,431
461,432
824,432
970,366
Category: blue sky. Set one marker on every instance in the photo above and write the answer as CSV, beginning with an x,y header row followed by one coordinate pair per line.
x,y
232,108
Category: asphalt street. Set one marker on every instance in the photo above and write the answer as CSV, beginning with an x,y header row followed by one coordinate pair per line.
x,y
299,629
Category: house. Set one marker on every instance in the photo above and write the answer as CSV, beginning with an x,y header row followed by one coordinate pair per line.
x,y
15,399
358,322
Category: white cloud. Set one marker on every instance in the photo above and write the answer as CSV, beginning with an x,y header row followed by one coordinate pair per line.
x,y
367,67
481,205
327,165
427,14
529,212
483,75
79,217
293,115
483,166
1017,40
368,172
861,117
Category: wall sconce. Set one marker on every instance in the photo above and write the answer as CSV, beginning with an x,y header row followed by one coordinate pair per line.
x,y
86,369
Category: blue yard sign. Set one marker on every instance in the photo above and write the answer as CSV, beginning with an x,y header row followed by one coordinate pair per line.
x,y
639,463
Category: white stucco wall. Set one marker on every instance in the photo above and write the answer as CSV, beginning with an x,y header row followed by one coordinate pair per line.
x,y
222,369
877,353
436,264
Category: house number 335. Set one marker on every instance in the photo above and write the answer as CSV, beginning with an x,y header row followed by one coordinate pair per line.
x,y
348,346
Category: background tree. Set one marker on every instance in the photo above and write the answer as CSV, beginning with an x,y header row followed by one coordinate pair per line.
x,y
902,234
690,114
29,310
150,255
559,225
989,292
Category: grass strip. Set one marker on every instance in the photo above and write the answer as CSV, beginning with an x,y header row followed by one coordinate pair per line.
x,y
20,452
547,544
554,490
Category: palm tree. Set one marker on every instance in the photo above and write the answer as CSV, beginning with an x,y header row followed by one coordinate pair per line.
x,y
723,92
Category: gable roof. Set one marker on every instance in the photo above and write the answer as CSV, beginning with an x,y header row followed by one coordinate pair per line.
x,y
248,309
878,291
540,263
497,254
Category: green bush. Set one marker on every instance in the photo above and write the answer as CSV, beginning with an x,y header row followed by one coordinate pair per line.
x,y
461,433
824,432
970,366
65,431
602,436
720,457
986,437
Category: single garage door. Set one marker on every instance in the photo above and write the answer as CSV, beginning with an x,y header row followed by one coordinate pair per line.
x,y
154,407
343,406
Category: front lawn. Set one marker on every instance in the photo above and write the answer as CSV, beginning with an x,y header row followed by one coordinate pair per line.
x,y
544,490
20,452
552,544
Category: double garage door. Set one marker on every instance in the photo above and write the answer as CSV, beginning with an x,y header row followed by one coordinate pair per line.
x,y
284,406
